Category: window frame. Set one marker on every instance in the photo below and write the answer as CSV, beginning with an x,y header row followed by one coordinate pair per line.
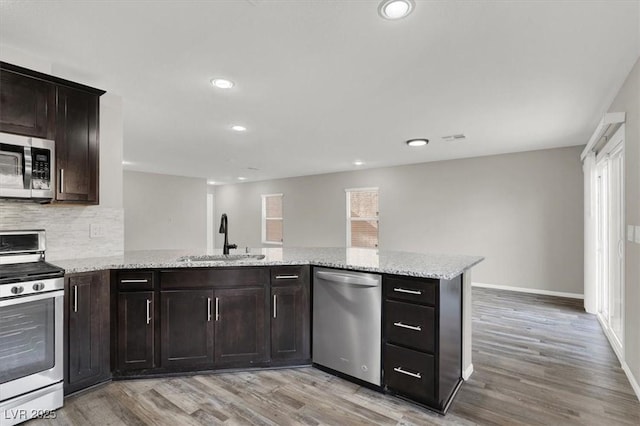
x,y
348,192
264,218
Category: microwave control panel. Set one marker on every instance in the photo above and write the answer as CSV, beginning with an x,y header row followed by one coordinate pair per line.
x,y
41,173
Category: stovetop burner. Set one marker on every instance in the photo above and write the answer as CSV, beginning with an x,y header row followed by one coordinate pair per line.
x,y
20,272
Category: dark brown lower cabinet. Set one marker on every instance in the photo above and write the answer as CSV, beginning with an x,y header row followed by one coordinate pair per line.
x,y
136,330
290,328
423,339
187,328
410,371
87,330
240,326
191,319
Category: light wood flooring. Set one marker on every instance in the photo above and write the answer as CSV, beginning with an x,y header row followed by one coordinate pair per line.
x,y
537,359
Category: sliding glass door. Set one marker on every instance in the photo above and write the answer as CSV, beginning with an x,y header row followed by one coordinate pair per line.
x,y
610,236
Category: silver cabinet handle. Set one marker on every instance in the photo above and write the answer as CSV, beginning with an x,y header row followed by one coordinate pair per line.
x,y
404,290
408,373
217,309
75,298
275,303
286,277
410,327
148,311
208,309
61,180
134,281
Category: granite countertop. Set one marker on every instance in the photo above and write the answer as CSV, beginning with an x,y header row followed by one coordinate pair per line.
x,y
439,266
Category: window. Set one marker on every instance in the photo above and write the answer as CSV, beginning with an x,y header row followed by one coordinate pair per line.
x,y
272,219
362,217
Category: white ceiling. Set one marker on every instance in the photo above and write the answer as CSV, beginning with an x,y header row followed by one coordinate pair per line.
x,y
322,83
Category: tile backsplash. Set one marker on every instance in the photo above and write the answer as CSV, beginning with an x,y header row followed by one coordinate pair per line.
x,y
68,227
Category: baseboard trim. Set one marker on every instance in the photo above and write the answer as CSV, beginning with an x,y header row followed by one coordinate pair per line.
x,y
632,379
617,349
467,372
530,290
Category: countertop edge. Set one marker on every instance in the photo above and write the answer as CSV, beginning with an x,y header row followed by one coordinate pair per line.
x,y
189,265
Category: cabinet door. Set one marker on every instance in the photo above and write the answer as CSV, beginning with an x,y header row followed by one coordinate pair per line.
x,y
77,146
136,337
240,326
27,105
290,328
87,297
186,328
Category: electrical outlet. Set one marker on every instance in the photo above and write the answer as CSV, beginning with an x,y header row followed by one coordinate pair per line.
x,y
638,234
97,231
630,229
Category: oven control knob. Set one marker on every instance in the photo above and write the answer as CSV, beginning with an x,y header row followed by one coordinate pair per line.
x,y
17,289
38,286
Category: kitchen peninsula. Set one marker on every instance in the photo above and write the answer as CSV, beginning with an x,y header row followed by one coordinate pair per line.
x,y
154,325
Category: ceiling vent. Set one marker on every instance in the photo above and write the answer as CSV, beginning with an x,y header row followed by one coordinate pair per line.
x,y
457,137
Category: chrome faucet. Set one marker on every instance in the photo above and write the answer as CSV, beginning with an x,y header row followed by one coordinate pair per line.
x,y
224,229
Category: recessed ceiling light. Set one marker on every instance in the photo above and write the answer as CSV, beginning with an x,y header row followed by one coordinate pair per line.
x,y
126,163
211,182
395,9
358,163
242,178
238,128
222,83
417,142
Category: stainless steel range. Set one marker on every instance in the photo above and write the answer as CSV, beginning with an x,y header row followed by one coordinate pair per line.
x,y
31,319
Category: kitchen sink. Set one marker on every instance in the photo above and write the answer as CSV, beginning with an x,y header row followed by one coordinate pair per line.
x,y
220,257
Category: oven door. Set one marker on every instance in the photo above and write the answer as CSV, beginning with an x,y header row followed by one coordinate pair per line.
x,y
30,343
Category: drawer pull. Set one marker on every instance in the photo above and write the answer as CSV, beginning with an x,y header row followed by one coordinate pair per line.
x,y
134,281
408,373
404,290
410,327
286,277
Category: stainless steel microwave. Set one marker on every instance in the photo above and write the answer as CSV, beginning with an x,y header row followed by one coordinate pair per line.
x,y
27,167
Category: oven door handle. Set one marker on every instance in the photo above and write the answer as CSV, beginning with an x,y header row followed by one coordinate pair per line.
x,y
33,298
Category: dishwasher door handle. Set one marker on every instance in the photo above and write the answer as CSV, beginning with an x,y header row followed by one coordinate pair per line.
x,y
335,277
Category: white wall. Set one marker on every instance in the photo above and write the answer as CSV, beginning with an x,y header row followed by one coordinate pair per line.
x,y
522,211
628,100
164,212
68,225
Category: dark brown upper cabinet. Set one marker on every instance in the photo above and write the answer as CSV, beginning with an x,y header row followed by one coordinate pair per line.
x,y
43,106
27,105
77,150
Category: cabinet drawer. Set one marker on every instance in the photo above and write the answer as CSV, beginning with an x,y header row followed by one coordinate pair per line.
x,y
180,279
289,275
135,280
410,373
416,290
410,325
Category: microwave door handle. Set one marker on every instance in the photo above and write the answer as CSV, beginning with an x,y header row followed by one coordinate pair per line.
x,y
28,168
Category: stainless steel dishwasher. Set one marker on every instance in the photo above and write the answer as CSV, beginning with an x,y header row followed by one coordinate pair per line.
x,y
347,323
